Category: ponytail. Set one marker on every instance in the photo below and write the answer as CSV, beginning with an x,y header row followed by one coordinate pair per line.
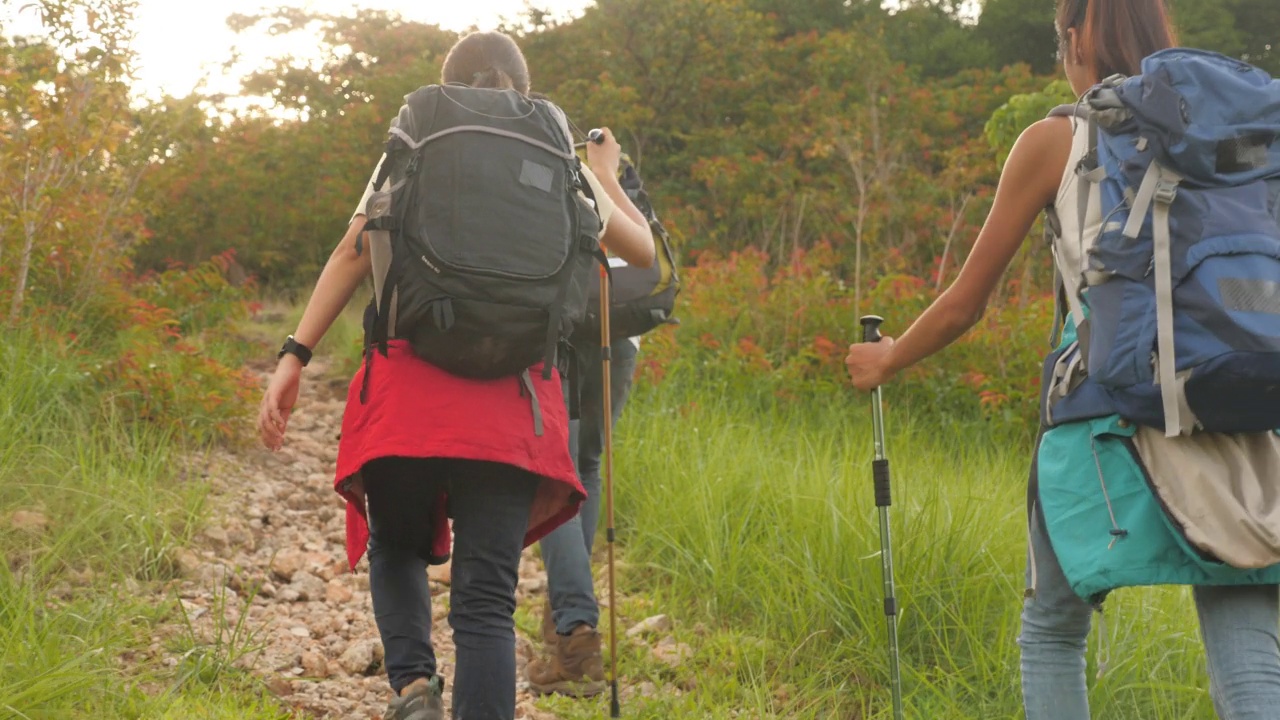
x,y
492,78
487,60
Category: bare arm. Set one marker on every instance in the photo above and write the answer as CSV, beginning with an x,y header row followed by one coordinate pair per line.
x,y
626,232
342,274
338,281
1027,185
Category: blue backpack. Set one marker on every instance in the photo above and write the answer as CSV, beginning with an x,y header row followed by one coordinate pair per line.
x,y
1182,286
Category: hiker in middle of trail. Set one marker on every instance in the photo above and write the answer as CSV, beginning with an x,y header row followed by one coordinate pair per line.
x,y
1140,434
478,192
642,299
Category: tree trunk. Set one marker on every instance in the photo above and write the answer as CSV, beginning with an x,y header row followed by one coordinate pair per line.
x,y
24,269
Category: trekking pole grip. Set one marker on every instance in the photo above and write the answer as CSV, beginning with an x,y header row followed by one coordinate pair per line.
x,y
596,136
871,328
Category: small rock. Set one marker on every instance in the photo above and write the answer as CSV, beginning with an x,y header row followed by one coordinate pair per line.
x,y
211,574
286,563
217,537
314,665
309,586
529,711
441,573
239,536
192,610
279,686
30,521
81,578
300,631
363,657
186,561
650,626
672,653
337,593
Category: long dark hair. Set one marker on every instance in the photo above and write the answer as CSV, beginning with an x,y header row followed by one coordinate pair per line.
x,y
1115,35
487,60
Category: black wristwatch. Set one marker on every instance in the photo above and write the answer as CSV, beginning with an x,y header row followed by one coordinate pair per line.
x,y
293,347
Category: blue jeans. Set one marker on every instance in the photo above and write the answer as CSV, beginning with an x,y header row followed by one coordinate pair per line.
x,y
489,504
1238,626
566,551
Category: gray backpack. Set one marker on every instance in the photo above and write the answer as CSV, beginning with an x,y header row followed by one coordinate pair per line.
x,y
482,242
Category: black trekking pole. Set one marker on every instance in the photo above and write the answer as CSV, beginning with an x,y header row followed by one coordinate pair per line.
x,y
880,474
606,354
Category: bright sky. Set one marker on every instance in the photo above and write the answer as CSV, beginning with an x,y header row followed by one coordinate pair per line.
x,y
180,41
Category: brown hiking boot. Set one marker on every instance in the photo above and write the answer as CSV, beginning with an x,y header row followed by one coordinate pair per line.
x,y
549,635
574,665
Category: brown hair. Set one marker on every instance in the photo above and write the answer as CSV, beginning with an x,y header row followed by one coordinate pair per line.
x,y
487,60
1115,35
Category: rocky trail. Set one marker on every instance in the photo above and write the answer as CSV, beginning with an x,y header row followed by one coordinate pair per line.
x,y
268,575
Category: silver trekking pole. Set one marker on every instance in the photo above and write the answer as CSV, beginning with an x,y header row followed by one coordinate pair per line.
x,y
880,475
606,355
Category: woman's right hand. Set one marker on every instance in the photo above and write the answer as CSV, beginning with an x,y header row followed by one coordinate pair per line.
x,y
604,157
278,402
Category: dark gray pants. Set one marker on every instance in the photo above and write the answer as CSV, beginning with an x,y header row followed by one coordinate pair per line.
x,y
489,504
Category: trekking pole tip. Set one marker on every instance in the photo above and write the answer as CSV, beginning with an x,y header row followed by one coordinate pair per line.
x,y
871,327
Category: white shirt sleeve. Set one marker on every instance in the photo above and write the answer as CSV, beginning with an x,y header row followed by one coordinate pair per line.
x,y
362,206
605,206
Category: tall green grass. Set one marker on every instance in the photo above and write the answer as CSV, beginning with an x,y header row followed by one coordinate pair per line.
x,y
756,520
72,606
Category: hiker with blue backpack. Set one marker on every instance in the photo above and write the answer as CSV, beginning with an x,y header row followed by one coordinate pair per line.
x,y
1157,460
481,231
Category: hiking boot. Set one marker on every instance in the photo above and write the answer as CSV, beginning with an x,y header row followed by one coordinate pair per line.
x,y
573,666
422,700
549,634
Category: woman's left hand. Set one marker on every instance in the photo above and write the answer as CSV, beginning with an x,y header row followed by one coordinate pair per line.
x,y
868,363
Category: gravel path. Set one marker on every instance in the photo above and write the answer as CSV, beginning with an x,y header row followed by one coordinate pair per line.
x,y
277,525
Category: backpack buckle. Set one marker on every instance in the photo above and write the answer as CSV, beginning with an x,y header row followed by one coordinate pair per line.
x,y
1166,191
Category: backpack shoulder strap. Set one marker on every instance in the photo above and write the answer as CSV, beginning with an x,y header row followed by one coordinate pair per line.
x,y
1053,234
561,119
1069,110
1088,175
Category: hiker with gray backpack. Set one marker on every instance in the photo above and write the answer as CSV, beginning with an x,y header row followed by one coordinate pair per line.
x,y
1158,459
481,230
641,299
